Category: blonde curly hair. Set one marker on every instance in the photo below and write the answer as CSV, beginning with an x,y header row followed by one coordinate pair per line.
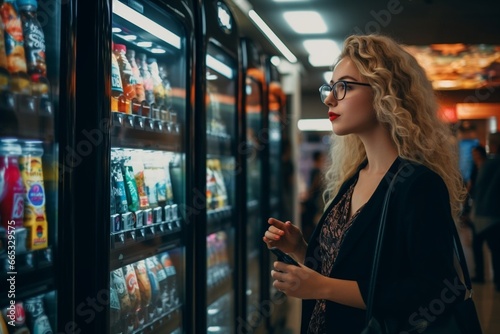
x,y
405,101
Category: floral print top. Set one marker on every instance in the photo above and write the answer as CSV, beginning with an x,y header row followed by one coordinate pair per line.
x,y
332,233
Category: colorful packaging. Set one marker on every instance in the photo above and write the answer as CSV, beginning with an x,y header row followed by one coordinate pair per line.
x,y
35,220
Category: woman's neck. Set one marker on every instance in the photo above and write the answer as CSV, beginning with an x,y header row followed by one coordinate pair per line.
x,y
381,151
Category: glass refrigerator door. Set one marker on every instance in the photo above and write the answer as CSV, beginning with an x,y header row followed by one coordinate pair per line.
x,y
254,197
29,93
220,189
275,184
148,109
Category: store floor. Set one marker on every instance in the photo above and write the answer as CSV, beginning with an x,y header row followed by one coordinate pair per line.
x,y
487,300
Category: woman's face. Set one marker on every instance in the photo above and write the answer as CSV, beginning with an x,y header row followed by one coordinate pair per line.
x,y
354,114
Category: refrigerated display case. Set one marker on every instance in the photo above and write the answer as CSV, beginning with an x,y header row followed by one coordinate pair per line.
x,y
255,125
217,176
30,227
131,188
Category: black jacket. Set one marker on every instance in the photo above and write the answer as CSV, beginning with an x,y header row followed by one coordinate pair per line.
x,y
416,279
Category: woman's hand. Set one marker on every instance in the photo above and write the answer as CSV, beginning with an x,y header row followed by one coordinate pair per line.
x,y
286,237
300,282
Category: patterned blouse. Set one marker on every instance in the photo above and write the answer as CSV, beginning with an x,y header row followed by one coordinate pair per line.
x,y
330,240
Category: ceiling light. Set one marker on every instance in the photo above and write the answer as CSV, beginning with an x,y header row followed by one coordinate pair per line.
x,y
322,52
145,44
157,50
305,22
272,36
146,24
116,30
276,61
318,124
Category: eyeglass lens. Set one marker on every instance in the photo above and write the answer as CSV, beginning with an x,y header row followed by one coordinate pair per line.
x,y
338,90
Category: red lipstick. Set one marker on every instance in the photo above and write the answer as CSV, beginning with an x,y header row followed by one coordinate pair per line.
x,y
332,116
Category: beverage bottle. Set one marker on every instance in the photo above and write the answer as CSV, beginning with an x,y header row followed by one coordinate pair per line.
x,y
35,220
139,85
14,47
166,85
34,38
12,191
171,278
158,89
128,79
37,320
162,282
146,78
116,83
118,189
34,48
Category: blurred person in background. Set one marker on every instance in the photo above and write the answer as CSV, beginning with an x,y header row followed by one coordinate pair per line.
x,y
486,205
479,156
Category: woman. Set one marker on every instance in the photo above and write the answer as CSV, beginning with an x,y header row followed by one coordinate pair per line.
x,y
383,113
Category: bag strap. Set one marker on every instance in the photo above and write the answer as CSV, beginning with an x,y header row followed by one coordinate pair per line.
x,y
459,253
378,245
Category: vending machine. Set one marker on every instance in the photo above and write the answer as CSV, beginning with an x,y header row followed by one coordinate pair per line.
x,y
133,108
218,175
256,152
32,251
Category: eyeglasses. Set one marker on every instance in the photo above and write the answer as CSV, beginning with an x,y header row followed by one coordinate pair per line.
x,y
339,89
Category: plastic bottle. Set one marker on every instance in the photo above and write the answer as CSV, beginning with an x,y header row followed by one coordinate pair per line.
x,y
166,85
34,47
14,47
34,38
12,191
139,85
116,83
128,79
35,220
158,89
146,78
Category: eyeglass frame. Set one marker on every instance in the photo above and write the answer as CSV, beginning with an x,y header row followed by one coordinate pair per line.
x,y
345,83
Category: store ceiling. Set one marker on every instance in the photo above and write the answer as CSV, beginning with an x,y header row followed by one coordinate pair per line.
x,y
412,22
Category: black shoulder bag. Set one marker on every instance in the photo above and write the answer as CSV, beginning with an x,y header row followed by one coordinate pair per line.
x,y
463,317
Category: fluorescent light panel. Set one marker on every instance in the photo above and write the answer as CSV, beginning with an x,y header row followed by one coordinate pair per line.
x,y
318,124
306,22
272,36
220,67
146,24
322,52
